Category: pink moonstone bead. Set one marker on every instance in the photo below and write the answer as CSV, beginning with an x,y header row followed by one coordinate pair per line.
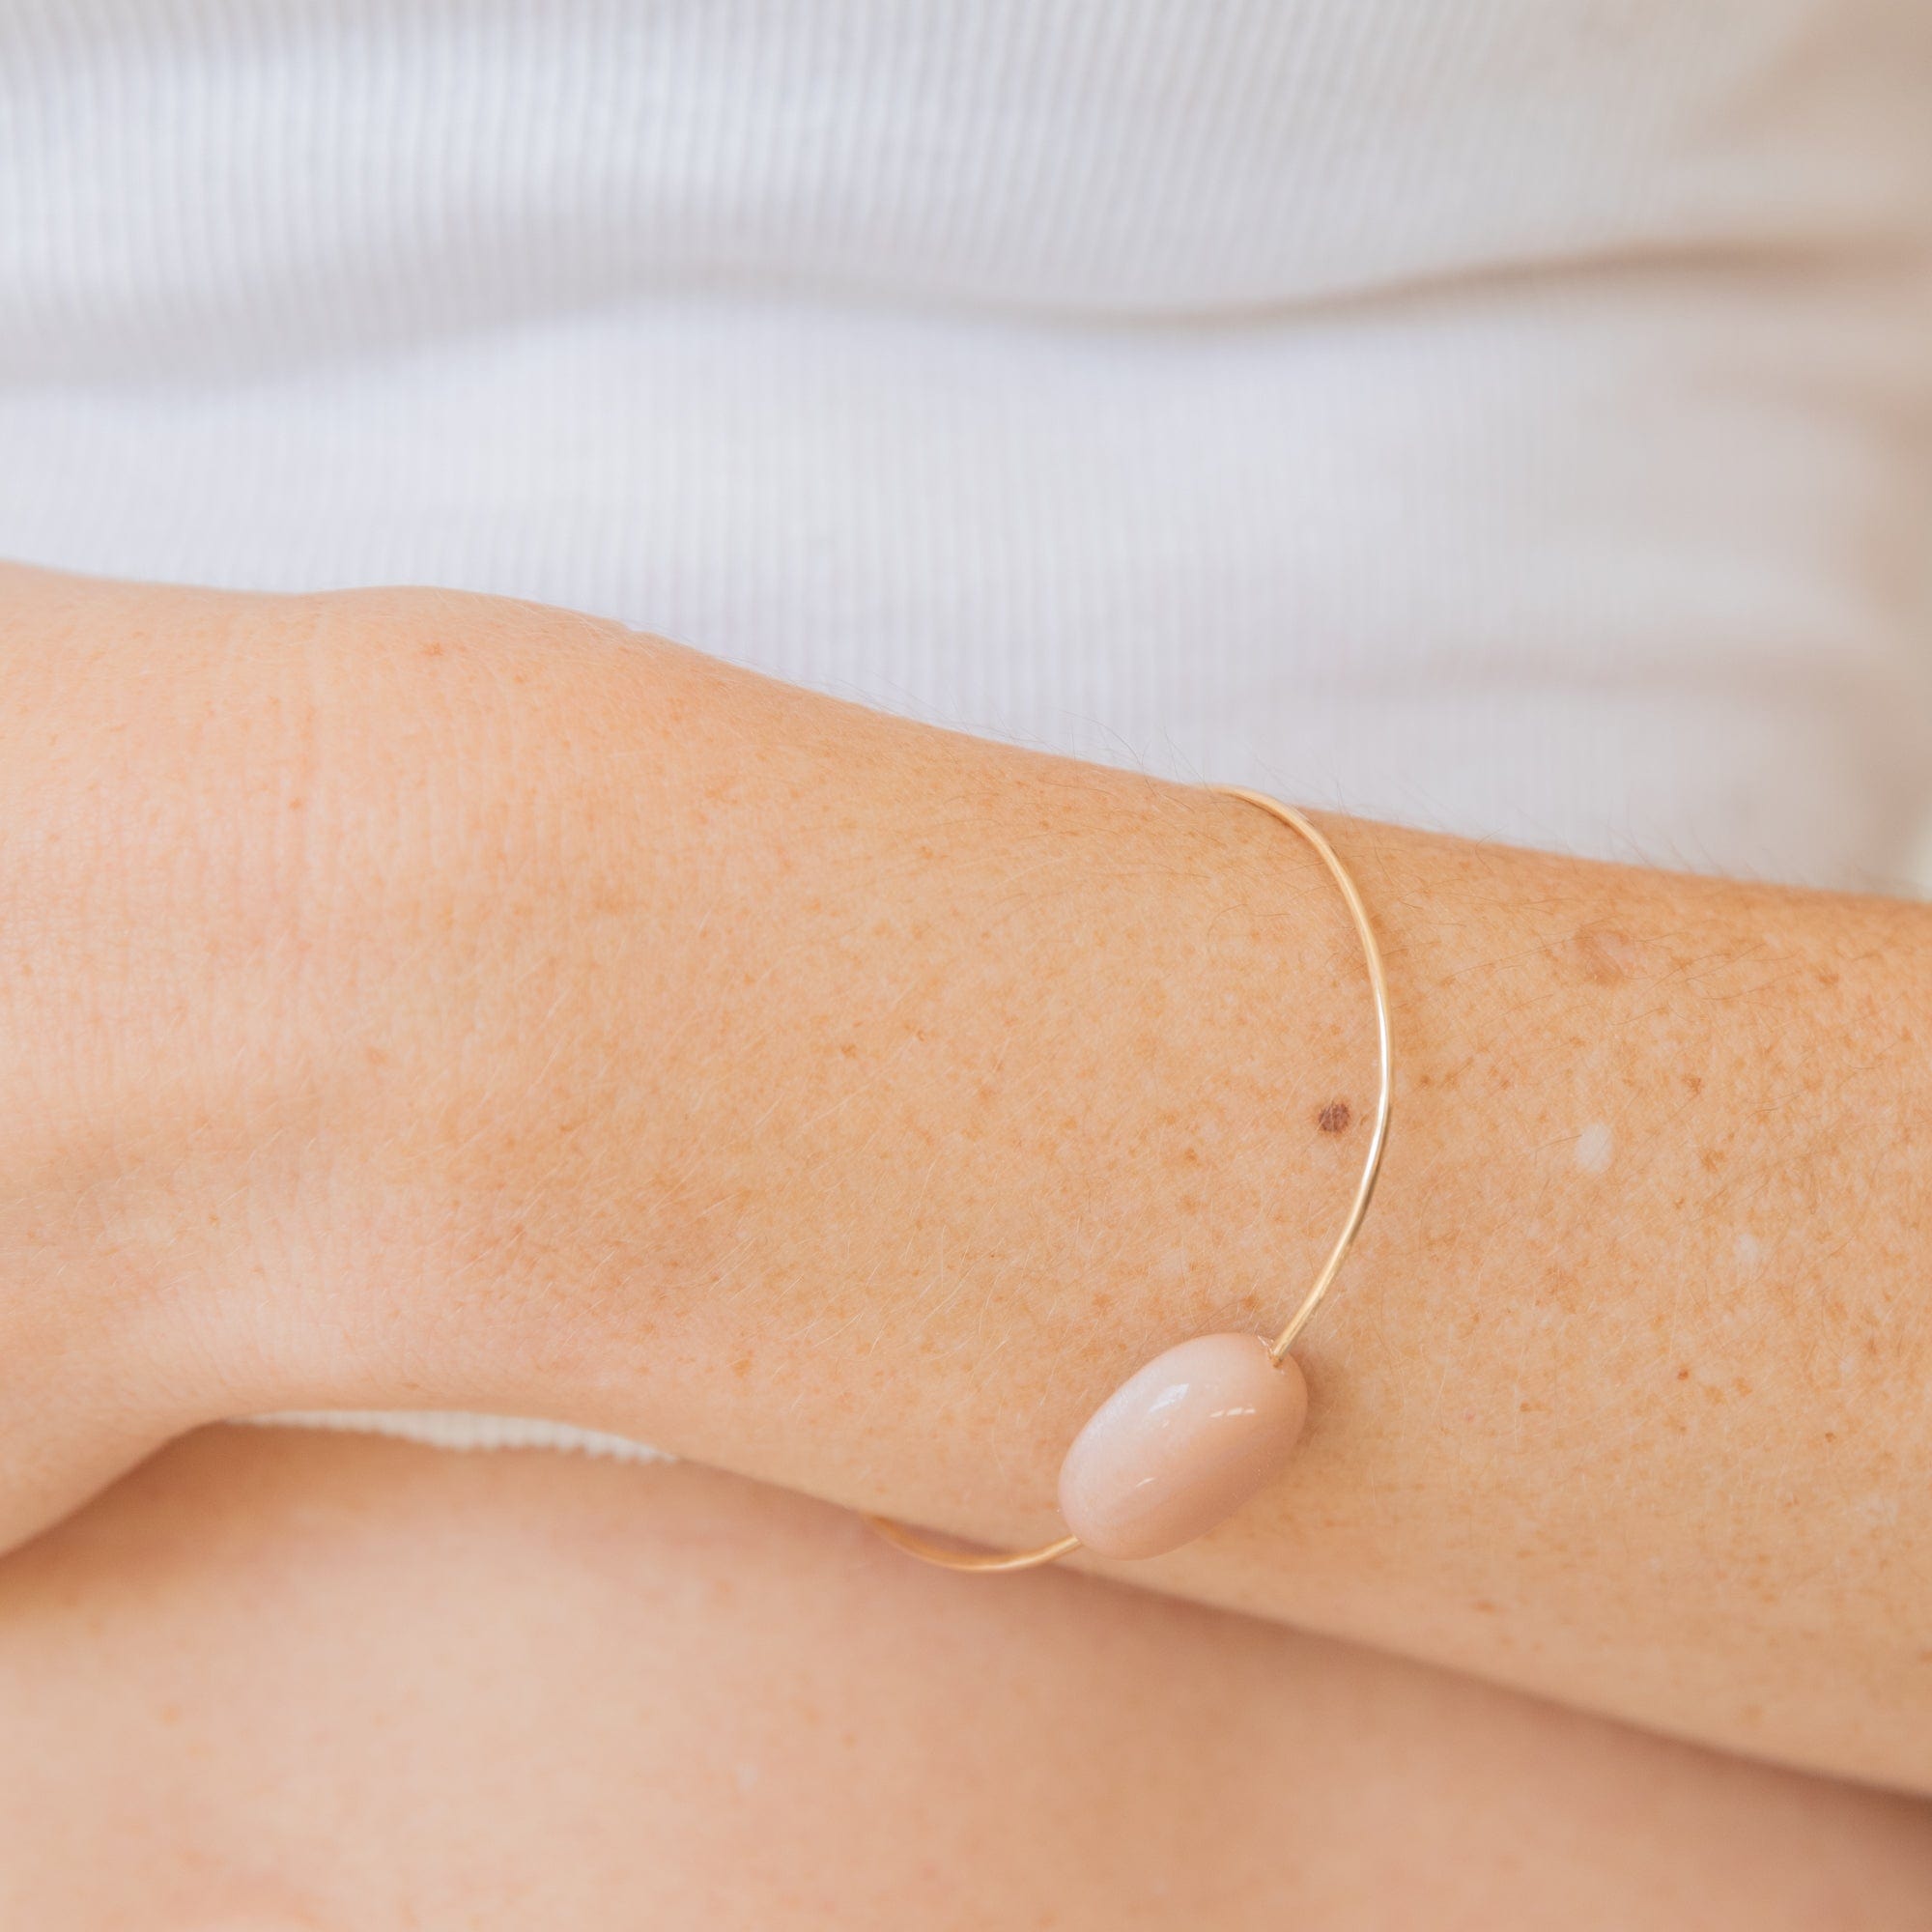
x,y
1180,1445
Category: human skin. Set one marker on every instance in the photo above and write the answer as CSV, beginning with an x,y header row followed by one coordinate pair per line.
x,y
277,1680
410,1000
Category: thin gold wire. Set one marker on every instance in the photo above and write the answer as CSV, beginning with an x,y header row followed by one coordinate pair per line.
x,y
992,1562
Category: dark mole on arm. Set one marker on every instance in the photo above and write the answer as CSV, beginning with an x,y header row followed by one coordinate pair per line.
x,y
1334,1118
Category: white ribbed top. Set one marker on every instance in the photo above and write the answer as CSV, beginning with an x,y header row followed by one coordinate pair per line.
x,y
1509,416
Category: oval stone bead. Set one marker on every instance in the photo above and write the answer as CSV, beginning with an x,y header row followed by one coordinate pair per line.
x,y
1180,1445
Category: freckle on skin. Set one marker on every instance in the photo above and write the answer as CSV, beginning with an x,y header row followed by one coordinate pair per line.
x,y
1594,1147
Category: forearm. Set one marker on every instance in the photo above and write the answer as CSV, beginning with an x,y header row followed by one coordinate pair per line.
x,y
268,1646
853,1105
918,1090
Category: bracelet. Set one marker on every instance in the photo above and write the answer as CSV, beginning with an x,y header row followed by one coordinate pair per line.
x,y
1184,1442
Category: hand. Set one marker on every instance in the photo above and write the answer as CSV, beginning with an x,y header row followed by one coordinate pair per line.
x,y
149,840
275,973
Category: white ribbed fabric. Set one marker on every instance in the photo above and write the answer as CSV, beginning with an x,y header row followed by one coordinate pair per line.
x,y
453,1430
1510,415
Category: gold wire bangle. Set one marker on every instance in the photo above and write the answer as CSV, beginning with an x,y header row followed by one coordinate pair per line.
x,y
991,1562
